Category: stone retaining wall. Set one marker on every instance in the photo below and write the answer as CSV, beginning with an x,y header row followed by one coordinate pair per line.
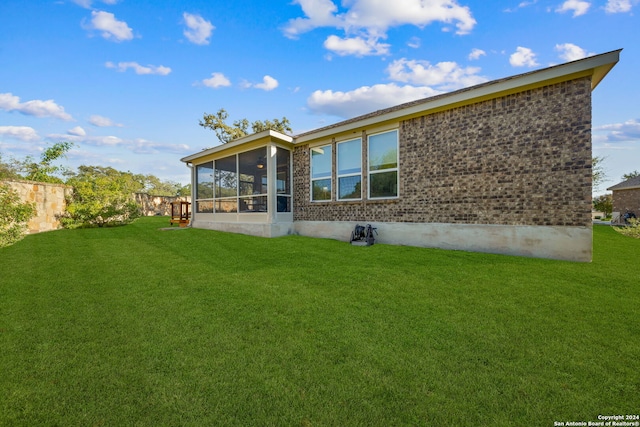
x,y
49,200
157,205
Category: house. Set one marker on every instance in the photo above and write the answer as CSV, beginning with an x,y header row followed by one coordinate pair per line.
x,y
626,198
501,167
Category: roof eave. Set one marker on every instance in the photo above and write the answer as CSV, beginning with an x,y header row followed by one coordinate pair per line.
x,y
272,134
596,66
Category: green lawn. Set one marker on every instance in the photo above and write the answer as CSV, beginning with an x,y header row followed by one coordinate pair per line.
x,y
138,326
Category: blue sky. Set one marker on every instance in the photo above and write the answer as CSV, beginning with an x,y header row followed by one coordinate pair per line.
x,y
127,81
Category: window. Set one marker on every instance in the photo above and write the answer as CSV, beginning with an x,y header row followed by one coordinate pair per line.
x,y
321,173
204,188
349,159
383,165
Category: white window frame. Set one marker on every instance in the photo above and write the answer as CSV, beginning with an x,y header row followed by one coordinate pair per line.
x,y
374,172
323,177
346,175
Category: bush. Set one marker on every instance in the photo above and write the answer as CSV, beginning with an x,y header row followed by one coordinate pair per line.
x,y
14,216
632,229
101,197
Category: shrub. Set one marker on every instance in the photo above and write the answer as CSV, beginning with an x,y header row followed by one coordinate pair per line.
x,y
101,197
14,216
632,229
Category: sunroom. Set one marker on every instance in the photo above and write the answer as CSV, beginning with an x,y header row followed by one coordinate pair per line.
x,y
244,186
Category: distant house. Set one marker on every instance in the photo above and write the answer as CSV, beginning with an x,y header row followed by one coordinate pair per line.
x,y
501,167
626,198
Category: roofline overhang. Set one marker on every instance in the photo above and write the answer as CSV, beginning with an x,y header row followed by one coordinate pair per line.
x,y
597,67
272,135
632,187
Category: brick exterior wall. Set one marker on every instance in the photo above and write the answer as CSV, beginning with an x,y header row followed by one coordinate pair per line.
x,y
627,200
521,159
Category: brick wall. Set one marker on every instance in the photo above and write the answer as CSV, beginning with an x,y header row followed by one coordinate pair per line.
x,y
627,200
522,159
49,200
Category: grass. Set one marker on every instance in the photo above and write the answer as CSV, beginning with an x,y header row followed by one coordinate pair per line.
x,y
138,326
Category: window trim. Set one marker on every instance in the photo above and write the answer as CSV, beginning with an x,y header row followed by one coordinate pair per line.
x,y
346,175
323,177
374,172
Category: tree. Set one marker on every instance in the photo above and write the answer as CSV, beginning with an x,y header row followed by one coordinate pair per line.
x,y
598,173
9,170
45,171
226,133
603,203
14,216
157,187
101,195
630,175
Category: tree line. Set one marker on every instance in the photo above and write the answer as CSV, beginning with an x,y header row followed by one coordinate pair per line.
x,y
100,195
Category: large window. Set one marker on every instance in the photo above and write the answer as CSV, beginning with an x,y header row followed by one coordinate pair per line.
x,y
349,159
383,165
204,188
321,173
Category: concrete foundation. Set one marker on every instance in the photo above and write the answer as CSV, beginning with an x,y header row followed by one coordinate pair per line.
x,y
554,242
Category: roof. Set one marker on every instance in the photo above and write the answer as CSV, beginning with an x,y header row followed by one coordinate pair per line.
x,y
596,67
629,184
270,134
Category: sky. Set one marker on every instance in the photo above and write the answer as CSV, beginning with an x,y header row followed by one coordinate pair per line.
x,y
128,81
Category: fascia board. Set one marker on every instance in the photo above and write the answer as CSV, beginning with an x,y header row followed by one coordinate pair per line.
x,y
268,134
634,187
595,66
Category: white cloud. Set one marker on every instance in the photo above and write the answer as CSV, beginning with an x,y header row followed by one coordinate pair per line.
x,y
369,20
23,133
37,108
619,6
111,28
356,46
521,5
476,54
139,69
523,57
268,83
319,13
423,80
143,146
365,99
414,42
579,7
198,29
101,121
87,3
444,75
571,52
137,145
622,132
217,80
77,131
